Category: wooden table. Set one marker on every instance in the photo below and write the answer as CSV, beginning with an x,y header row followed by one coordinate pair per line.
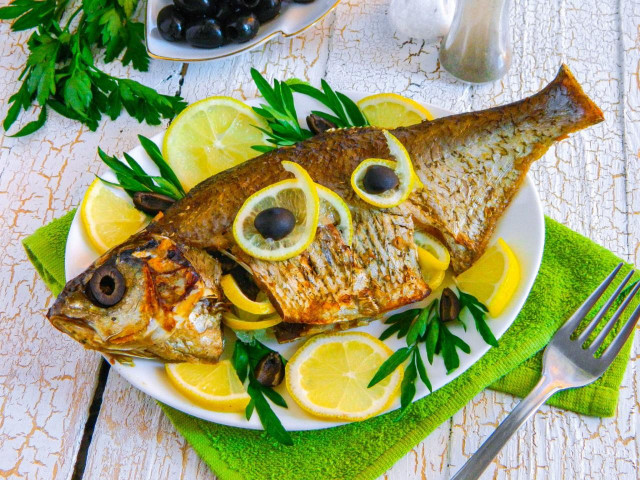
x,y
49,386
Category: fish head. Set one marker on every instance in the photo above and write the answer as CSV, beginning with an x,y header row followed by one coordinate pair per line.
x,y
135,298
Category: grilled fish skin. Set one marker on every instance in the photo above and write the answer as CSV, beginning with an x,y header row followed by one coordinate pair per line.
x,y
331,282
171,309
471,166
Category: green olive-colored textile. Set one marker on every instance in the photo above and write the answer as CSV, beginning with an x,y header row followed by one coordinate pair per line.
x,y
572,266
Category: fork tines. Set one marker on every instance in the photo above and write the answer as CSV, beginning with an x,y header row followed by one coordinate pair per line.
x,y
570,327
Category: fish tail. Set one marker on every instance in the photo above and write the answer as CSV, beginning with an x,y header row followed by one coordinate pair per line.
x,y
564,97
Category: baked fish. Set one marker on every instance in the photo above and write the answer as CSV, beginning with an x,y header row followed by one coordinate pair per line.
x,y
471,166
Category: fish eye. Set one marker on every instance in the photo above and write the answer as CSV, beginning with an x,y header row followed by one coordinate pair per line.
x,y
106,286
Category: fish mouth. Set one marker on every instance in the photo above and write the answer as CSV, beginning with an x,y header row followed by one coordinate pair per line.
x,y
77,328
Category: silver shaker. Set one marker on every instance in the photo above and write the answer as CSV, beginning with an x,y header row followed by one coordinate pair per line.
x,y
477,48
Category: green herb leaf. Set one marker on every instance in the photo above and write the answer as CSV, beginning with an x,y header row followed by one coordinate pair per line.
x,y
249,410
31,127
390,364
240,360
394,328
418,327
268,418
422,371
478,312
165,170
433,336
408,387
274,396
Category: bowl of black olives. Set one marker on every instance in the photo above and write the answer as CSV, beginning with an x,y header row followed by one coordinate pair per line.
x,y
194,30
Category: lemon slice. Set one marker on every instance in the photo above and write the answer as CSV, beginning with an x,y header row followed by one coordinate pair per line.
x,y
108,218
494,277
390,110
299,197
329,376
235,295
210,136
432,276
216,386
431,252
333,209
402,167
236,323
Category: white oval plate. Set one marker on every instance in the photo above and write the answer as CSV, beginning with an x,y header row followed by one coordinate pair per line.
x,y
522,227
293,19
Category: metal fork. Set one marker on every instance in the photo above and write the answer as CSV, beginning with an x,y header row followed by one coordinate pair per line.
x,y
567,363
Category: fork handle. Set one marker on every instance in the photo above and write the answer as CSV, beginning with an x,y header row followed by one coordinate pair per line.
x,y
478,463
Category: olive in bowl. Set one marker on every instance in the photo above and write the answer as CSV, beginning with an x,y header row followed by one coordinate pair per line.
x,y
205,33
243,28
194,8
171,24
268,10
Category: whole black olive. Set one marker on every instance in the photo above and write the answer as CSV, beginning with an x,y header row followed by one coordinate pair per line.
x,y
270,370
151,202
223,11
243,28
194,8
171,24
275,223
317,124
379,179
267,9
106,286
205,33
449,305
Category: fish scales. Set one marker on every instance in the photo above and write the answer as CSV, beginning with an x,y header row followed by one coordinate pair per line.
x,y
471,166
330,282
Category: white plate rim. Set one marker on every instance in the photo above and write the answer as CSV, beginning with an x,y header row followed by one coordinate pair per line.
x,y
258,40
157,386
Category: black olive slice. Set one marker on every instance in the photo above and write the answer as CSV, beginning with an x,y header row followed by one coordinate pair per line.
x,y
106,287
275,223
379,179
270,370
317,124
449,305
152,203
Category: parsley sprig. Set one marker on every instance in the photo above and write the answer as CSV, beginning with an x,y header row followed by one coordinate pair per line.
x,y
132,178
246,356
425,326
280,112
60,73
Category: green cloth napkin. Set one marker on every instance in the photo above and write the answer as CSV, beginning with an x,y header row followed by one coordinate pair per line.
x,y
572,266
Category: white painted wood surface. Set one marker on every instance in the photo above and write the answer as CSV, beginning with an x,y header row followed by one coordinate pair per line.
x,y
590,182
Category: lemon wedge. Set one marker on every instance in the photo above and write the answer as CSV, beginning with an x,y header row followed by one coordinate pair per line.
x,y
236,323
235,295
216,386
108,218
493,279
329,376
401,166
334,210
431,252
390,110
299,197
210,136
